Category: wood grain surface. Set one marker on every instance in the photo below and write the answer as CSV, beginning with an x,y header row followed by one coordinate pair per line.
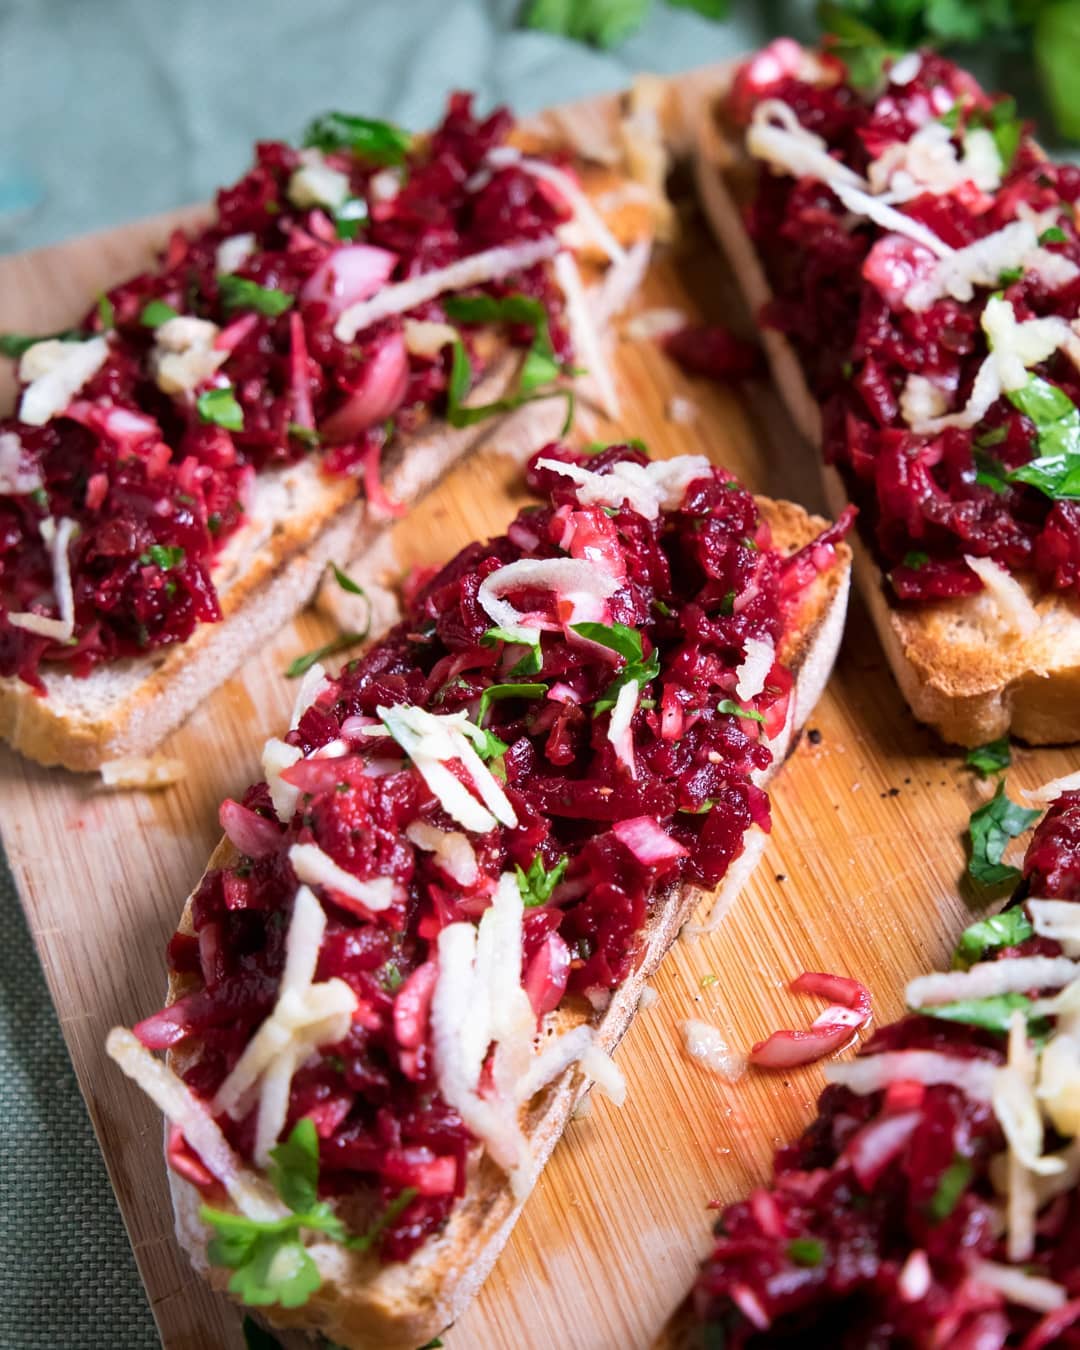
x,y
861,877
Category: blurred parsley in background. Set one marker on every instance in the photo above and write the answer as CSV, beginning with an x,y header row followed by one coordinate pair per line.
x,y
1043,34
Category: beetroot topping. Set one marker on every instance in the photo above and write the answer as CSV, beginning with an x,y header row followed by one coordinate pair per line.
x,y
488,806
934,1201
925,265
313,316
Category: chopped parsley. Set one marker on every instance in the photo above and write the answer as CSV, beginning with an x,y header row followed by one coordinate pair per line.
x,y
156,312
806,1251
992,826
537,884
990,758
1007,929
916,559
346,582
350,217
733,709
380,142
307,436
165,556
533,660
638,668
220,407
1056,470
303,663
500,691
1054,235
950,1188
991,1014
106,312
240,293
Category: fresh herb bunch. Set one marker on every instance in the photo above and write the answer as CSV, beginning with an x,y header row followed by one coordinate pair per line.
x,y
1044,33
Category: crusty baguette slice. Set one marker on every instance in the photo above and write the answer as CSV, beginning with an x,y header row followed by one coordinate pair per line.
x,y
398,1307
299,520
963,668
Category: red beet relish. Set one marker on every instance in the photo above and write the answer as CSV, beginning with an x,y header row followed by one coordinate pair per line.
x,y
819,1253
156,496
928,500
696,583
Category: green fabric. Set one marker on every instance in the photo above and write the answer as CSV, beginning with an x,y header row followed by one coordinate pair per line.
x,y
113,109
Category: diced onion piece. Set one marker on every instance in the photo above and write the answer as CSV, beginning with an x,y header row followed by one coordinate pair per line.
x,y
985,392
185,354
148,773
58,535
316,183
584,335
1051,791
18,477
491,265
922,402
452,849
1019,345
317,868
650,844
176,1101
1016,1286
760,654
233,252
54,372
990,978
647,489
427,338
978,264
1013,602
1058,920
913,1282
872,1073
584,585
277,756
705,1043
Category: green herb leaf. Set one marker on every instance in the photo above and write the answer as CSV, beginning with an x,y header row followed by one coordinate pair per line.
x,y
346,582
276,1272
240,293
351,217
303,664
916,559
531,663
165,556
294,1167
307,436
460,382
156,312
106,313
1007,131
991,758
15,344
950,1188
541,366
256,1338
1057,58
729,706
1054,235
220,407
806,1251
991,828
992,1014
604,23
1056,471
711,9
1008,275
380,142
1007,929
537,884
496,692
640,669
861,48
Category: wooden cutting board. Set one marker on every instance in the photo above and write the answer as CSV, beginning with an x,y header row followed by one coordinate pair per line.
x,y
861,878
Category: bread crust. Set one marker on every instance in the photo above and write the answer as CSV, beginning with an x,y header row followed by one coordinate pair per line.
x,y
960,670
362,1304
124,709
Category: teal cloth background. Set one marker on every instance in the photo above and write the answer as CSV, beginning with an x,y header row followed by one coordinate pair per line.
x,y
114,109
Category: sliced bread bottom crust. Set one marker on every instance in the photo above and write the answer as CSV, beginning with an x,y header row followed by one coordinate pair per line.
x,y
963,669
363,1304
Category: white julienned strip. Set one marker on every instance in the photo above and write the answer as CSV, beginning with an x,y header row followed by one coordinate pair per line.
x,y
587,586
1014,604
1022,1128
981,264
648,489
861,203
305,1016
478,1000
491,265
452,849
311,686
317,868
1015,1286
989,978
54,371
176,1101
620,732
584,335
1051,791
776,136
871,1073
754,670
1056,919
58,535
430,740
277,756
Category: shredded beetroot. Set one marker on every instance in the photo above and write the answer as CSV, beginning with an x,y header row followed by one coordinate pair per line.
x,y
839,285
878,1216
697,583
833,1029
708,349
155,490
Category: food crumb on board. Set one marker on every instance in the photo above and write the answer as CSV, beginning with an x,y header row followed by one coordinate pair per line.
x,y
681,410
781,876
648,997
813,735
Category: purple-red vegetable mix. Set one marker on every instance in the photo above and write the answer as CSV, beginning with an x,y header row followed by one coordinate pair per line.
x,y
606,823
943,465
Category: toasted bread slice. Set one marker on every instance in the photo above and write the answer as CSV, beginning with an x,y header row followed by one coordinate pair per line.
x,y
963,667
300,519
400,1306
